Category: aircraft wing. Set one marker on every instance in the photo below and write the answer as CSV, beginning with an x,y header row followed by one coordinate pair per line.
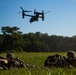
x,y
29,15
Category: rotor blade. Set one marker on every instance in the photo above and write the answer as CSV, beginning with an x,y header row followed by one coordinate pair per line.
x,y
47,12
21,8
25,10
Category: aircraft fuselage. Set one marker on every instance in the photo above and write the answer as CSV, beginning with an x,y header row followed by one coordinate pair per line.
x,y
34,18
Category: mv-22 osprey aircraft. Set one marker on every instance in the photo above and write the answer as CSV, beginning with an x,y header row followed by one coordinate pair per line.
x,y
35,16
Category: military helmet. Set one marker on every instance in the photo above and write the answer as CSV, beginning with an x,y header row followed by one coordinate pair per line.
x,y
10,55
71,54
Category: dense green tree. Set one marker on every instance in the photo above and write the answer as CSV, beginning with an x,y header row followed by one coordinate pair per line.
x,y
13,39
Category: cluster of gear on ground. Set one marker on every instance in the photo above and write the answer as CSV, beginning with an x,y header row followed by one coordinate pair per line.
x,y
58,61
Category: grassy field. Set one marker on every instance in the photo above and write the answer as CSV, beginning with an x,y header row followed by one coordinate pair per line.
x,y
36,61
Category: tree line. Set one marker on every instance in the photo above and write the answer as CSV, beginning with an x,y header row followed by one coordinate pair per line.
x,y
12,39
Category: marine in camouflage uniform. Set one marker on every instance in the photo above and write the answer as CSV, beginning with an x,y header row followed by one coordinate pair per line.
x,y
58,61
71,58
14,62
55,61
11,62
3,63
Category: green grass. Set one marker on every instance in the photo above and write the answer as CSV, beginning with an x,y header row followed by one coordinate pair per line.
x,y
37,68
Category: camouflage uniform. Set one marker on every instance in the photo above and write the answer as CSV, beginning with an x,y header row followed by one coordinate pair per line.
x,y
71,55
3,63
14,62
71,59
56,61
11,62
